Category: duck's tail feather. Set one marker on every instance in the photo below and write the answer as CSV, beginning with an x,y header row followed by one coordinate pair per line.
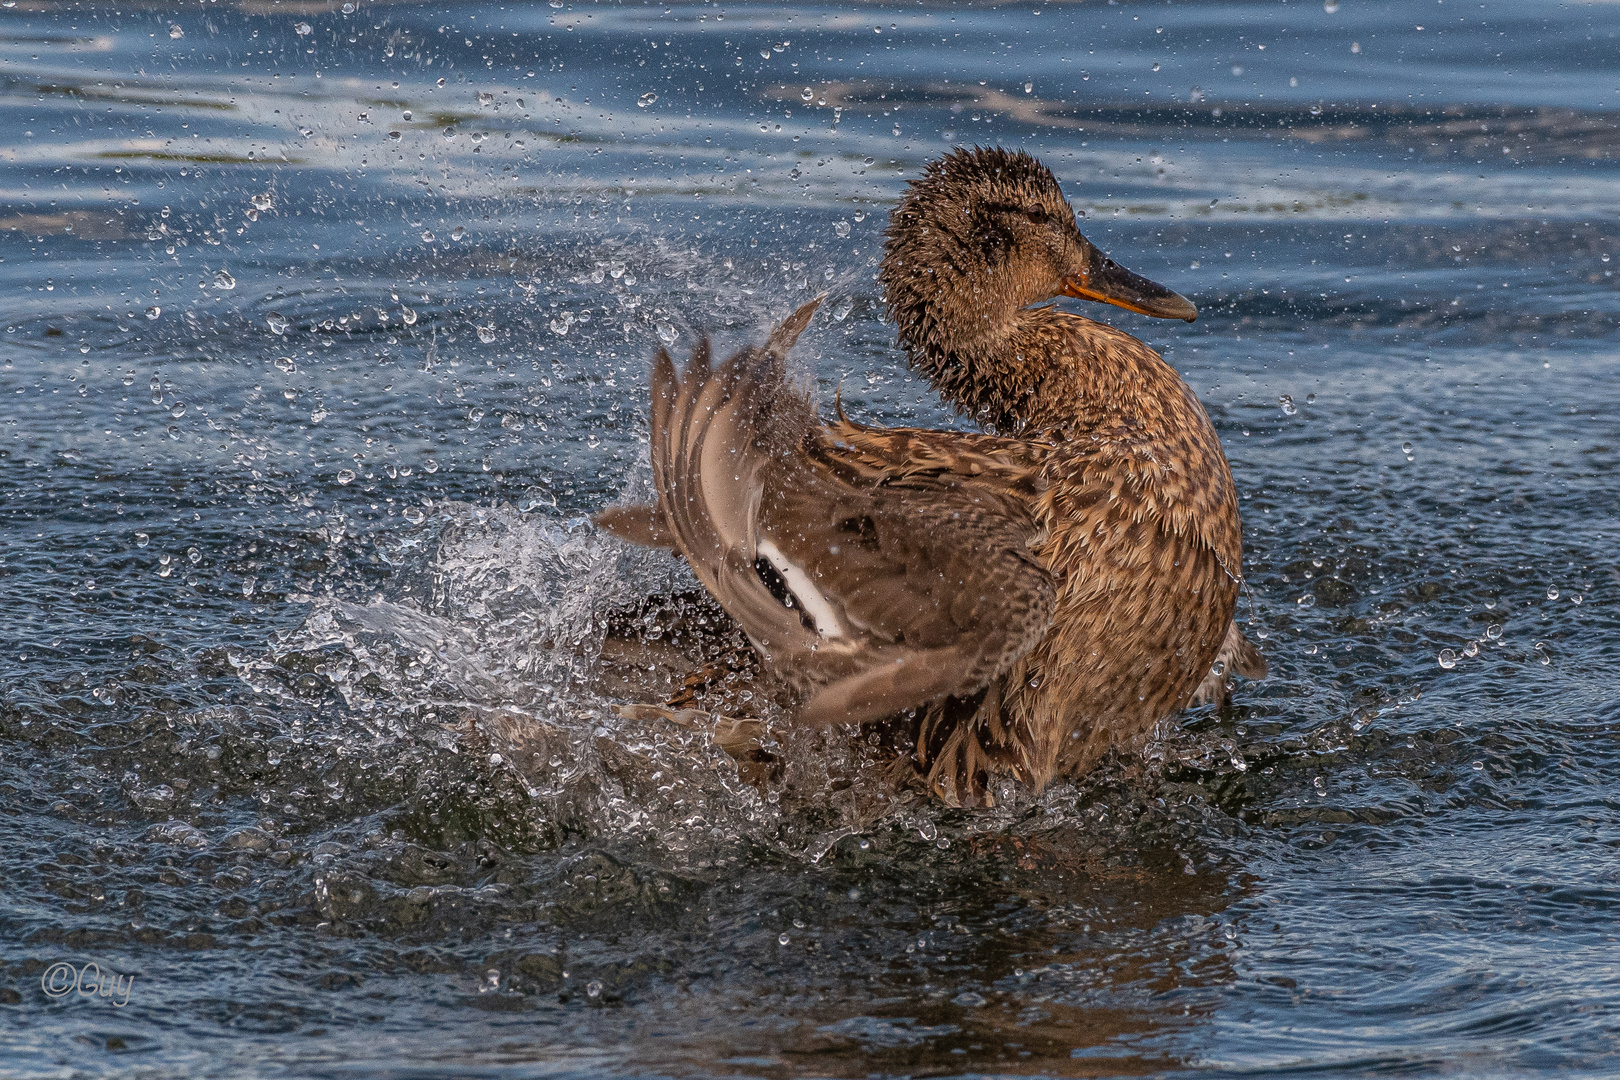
x,y
1238,656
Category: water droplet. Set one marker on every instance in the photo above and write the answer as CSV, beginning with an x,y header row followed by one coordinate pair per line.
x,y
263,201
1307,601
1155,65
458,233
1406,448
194,555
413,515
408,316
1471,649
153,312
782,939
223,279
141,539
867,161
1552,592
396,136
841,312
666,333
968,1000
807,94
279,323
646,99
176,32
249,583
1330,6
486,334
1574,598
1493,631
345,476
427,236
1447,659
177,410
285,364
1477,766
841,229
593,989
860,215
475,414
1288,406
317,414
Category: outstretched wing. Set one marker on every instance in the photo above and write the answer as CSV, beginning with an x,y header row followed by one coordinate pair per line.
x,y
869,592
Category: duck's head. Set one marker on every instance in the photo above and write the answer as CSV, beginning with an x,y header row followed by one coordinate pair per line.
x,y
984,233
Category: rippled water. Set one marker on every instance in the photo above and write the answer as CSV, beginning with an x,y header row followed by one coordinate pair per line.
x,y
323,332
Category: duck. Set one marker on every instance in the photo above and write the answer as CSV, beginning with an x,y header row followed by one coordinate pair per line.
x,y
1010,603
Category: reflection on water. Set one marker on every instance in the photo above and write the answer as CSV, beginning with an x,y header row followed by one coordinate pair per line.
x,y
325,329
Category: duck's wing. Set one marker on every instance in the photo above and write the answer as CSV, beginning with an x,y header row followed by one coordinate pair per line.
x,y
868,593
1015,466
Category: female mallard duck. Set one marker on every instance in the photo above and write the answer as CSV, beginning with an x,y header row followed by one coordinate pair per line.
x,y
1022,600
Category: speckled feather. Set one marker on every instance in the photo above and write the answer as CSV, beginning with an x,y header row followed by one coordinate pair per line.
x,y
1072,574
1134,494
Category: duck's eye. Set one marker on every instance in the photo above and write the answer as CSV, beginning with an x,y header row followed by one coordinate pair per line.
x,y
1036,213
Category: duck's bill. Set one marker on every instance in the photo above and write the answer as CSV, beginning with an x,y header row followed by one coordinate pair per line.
x,y
1110,283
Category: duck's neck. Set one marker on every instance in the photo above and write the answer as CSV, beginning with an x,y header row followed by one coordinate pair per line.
x,y
1041,371
1111,401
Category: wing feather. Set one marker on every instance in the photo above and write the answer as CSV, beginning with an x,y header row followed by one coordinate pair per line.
x,y
868,591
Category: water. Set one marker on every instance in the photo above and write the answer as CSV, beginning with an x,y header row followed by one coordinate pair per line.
x,y
323,332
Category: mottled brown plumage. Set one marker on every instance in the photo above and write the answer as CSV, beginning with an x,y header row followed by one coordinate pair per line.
x,y
1016,602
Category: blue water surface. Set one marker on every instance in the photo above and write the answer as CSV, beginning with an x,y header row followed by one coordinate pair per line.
x,y
323,328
